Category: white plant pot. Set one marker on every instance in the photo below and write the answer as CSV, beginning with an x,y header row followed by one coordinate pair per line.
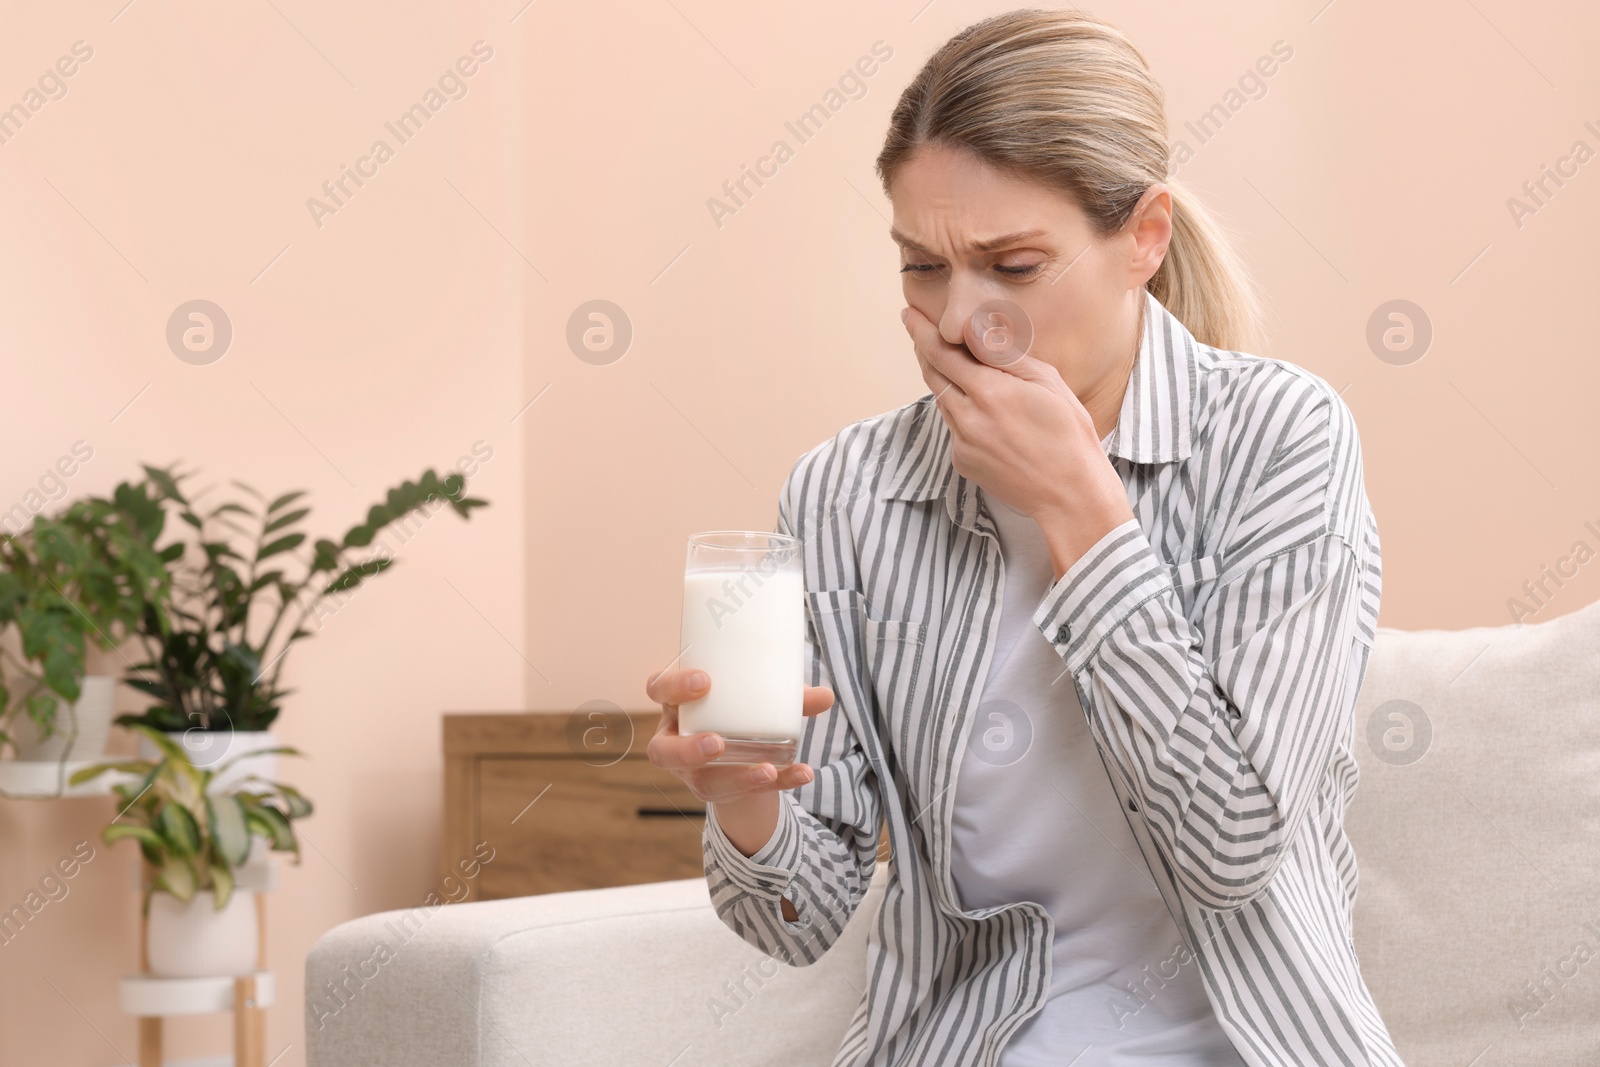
x,y
83,725
195,940
209,749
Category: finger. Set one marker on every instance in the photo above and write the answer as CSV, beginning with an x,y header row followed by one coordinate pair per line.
x,y
1030,368
732,781
818,699
938,384
727,781
673,686
796,774
954,363
1037,371
679,752
1046,376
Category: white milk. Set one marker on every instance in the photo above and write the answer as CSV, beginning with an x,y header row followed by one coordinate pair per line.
x,y
746,630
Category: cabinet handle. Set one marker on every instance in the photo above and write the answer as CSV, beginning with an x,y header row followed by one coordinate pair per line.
x,y
693,813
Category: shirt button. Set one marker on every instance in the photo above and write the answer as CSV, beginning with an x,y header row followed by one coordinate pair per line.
x,y
1061,634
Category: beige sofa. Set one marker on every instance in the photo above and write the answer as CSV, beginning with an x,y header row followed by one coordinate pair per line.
x,y
1476,826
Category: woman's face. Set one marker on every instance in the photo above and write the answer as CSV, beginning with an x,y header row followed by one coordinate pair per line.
x,y
970,233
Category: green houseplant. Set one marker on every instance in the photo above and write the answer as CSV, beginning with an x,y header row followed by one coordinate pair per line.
x,y
195,837
87,577
245,590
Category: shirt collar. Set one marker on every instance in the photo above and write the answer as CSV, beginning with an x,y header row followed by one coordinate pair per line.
x,y
1154,425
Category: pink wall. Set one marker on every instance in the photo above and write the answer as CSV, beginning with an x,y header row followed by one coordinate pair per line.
x,y
433,306
389,339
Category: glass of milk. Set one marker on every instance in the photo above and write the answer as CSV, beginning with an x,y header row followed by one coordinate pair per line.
x,y
744,625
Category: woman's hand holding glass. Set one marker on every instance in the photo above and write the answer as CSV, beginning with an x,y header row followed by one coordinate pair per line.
x,y
745,795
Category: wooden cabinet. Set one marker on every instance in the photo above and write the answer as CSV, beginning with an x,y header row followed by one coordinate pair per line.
x,y
567,800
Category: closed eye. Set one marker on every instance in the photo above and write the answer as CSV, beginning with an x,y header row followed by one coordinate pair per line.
x,y
1012,272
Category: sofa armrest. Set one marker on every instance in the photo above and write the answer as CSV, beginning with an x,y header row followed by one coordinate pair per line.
x,y
637,974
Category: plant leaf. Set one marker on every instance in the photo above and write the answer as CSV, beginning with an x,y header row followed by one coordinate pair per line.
x,y
155,689
117,831
266,579
272,825
178,827
285,500
359,536
282,544
127,767
221,885
230,835
357,574
299,807
166,482
276,750
168,747
288,518
177,876
326,556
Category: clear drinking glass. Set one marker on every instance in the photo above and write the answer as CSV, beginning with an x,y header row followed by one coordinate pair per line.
x,y
744,625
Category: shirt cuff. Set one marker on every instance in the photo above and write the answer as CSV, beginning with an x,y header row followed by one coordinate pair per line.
x,y
1118,573
768,871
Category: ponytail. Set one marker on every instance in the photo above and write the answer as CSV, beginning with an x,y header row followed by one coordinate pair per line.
x,y
1203,282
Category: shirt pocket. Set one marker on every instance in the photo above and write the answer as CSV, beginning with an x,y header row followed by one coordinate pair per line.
x,y
885,655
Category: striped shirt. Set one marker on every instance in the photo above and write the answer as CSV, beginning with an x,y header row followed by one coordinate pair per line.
x,y
1216,642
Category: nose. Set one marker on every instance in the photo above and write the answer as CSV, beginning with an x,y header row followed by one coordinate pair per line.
x,y
964,296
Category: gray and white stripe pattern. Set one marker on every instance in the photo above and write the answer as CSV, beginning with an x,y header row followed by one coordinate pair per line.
x,y
1217,642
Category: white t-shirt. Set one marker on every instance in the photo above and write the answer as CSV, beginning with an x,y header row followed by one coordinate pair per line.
x,y
1036,819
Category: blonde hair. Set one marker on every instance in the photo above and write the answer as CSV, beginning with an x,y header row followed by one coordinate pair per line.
x,y
1064,98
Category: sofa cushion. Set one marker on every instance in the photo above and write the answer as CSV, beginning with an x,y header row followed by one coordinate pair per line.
x,y
1476,826
644,974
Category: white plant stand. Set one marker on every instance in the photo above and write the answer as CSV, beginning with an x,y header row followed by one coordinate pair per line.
x,y
38,779
153,999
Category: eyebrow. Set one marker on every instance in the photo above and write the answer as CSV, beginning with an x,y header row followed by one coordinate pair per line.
x,y
988,244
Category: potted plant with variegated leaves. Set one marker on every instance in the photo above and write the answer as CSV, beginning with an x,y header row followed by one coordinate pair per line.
x,y
196,841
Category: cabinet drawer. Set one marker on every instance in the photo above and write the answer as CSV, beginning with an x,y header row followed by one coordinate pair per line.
x,y
558,823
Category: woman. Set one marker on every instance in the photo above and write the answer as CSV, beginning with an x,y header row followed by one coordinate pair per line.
x,y
1094,620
